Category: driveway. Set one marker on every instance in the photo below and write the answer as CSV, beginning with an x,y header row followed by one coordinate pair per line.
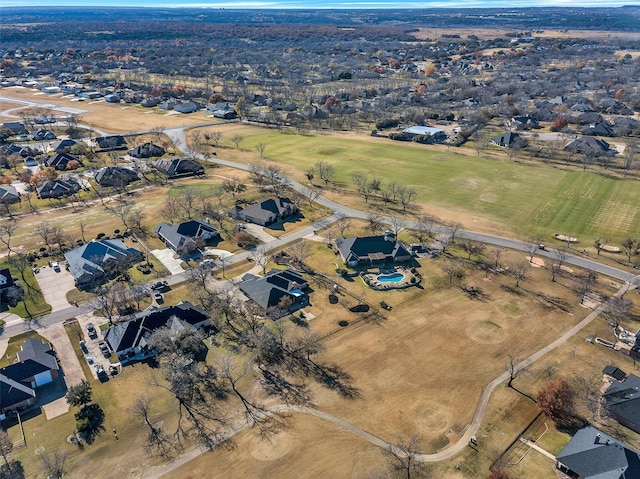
x,y
166,257
55,285
259,232
73,374
94,357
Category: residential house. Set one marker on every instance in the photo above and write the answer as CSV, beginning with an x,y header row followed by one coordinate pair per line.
x,y
582,108
43,135
590,146
6,281
58,188
436,134
222,110
592,454
112,98
266,211
523,122
36,366
64,146
614,372
9,195
110,143
150,102
178,167
185,235
129,339
15,126
61,160
187,107
116,176
13,149
147,150
169,104
506,140
598,129
10,291
622,401
370,249
99,260
276,289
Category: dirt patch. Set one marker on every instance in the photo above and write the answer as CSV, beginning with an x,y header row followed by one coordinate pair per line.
x,y
535,262
488,197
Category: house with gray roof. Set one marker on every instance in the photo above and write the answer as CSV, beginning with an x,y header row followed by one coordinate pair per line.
x,y
36,366
129,339
116,176
588,145
61,160
58,188
187,107
99,260
15,126
266,211
269,291
43,135
147,150
64,146
178,236
110,143
506,140
592,454
371,249
178,167
9,194
622,401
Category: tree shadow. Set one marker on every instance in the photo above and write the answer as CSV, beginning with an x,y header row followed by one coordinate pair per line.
x,y
13,470
275,384
90,422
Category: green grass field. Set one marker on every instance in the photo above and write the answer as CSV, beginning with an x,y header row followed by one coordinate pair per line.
x,y
529,200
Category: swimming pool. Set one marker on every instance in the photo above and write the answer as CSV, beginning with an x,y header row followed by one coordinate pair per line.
x,y
390,278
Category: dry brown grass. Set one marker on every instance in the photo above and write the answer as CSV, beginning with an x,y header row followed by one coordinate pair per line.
x,y
112,118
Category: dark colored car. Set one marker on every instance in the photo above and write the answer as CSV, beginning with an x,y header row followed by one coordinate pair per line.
x,y
104,349
92,330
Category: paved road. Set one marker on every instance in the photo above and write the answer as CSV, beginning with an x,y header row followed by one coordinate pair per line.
x,y
339,210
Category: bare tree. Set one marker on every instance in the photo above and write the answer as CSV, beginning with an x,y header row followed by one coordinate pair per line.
x,y
630,247
6,447
402,456
630,153
363,186
260,147
616,309
326,171
234,186
7,229
407,195
532,246
397,224
454,270
473,247
300,251
600,242
560,256
512,365
216,136
342,224
121,209
375,224
519,270
496,253
260,257
237,139
54,466
584,283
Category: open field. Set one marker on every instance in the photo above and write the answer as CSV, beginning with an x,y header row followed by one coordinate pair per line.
x,y
492,195
486,33
112,118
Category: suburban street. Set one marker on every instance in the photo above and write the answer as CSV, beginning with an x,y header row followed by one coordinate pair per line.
x,y
63,311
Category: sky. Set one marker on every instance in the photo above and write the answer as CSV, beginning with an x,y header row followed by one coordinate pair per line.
x,y
315,4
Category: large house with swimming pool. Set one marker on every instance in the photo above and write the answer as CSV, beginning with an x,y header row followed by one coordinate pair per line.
x,y
371,249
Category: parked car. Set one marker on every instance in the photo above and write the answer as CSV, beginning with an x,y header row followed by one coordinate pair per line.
x,y
159,285
104,349
83,346
56,266
207,263
92,331
158,297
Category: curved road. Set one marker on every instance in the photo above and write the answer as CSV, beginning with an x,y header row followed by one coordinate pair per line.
x,y
177,135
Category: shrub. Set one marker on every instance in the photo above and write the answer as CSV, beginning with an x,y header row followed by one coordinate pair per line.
x,y
341,272
387,123
413,279
399,136
100,235
116,231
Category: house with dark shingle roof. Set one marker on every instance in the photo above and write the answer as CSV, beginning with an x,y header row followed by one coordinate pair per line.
x,y
178,167
147,150
129,339
9,194
15,126
36,366
614,372
622,401
116,176
507,140
370,249
178,236
588,145
64,146
109,143
266,211
43,135
98,260
592,454
268,291
598,129
61,160
58,188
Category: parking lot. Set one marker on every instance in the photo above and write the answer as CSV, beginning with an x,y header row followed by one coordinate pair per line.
x,y
55,285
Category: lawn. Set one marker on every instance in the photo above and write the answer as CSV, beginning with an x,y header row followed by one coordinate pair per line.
x,y
525,199
35,304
